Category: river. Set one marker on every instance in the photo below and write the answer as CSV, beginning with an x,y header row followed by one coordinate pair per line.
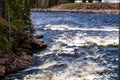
x,y
81,46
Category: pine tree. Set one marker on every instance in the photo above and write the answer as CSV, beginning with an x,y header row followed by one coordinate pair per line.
x,y
17,15
2,8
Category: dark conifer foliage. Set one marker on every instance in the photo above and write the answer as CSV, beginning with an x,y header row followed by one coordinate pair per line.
x,y
2,8
14,20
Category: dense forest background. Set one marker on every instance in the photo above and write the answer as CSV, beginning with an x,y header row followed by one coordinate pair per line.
x,y
50,3
47,3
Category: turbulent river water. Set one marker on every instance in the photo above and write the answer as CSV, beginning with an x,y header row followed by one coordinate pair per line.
x,y
81,46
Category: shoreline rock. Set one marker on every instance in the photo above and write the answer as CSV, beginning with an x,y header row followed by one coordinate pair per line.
x,y
2,70
14,64
22,56
39,36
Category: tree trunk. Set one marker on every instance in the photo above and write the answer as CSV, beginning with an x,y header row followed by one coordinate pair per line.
x,y
100,0
90,1
84,1
2,9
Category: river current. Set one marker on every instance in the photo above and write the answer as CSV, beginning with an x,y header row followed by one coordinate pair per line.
x,y
81,46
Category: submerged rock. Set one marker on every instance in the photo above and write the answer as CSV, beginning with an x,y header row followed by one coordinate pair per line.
x,y
58,67
37,45
22,56
69,55
39,36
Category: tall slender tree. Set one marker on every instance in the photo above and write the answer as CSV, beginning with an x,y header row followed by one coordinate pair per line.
x,y
2,8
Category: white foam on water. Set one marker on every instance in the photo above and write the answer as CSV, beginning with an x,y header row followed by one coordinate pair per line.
x,y
66,27
82,39
78,69
86,72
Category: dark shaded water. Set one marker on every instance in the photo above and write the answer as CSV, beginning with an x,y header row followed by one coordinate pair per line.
x,y
77,47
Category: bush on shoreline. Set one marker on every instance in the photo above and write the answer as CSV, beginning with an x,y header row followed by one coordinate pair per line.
x,y
94,6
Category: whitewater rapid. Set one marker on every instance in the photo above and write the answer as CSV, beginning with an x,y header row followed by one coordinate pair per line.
x,y
81,46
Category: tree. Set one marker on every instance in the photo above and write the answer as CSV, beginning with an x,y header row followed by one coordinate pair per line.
x,y
17,15
4,42
84,1
100,0
90,1
72,1
2,8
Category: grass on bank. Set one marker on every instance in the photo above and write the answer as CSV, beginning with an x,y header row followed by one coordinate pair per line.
x,y
93,6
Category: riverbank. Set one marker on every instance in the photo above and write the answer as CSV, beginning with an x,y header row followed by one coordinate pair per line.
x,y
80,10
21,57
109,8
17,43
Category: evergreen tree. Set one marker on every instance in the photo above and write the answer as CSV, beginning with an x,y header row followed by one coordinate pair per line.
x,y
17,16
2,8
4,42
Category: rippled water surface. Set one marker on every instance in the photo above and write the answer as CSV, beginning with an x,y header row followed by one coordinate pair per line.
x,y
78,47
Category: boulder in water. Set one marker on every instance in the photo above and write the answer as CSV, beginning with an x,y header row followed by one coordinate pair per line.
x,y
39,36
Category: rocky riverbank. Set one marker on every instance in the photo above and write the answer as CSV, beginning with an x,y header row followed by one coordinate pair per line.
x,y
22,56
78,10
109,8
